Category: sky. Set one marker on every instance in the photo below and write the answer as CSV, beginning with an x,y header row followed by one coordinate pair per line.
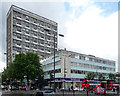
x,y
88,26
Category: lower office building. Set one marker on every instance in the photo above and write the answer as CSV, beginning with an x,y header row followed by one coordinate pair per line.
x,y
72,67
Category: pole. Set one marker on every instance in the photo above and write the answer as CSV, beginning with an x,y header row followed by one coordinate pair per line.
x,y
73,89
54,58
87,92
87,88
50,79
54,62
64,76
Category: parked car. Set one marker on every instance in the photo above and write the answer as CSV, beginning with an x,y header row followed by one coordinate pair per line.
x,y
76,89
99,90
14,88
43,93
22,88
3,87
81,89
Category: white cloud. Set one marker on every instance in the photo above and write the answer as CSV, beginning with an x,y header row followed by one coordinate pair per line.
x,y
2,63
93,33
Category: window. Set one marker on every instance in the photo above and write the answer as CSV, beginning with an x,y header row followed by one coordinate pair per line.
x,y
19,37
19,29
18,14
27,18
42,23
90,59
27,25
18,21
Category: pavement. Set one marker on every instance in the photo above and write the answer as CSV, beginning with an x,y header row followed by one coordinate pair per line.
x,y
59,93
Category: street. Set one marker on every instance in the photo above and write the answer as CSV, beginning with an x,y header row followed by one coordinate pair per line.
x,y
59,93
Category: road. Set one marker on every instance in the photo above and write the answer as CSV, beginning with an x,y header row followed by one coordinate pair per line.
x,y
59,93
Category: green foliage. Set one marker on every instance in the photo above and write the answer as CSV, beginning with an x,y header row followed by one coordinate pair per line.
x,y
4,75
90,76
24,65
101,76
33,65
112,76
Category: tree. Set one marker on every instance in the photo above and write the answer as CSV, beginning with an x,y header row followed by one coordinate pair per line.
x,y
112,76
101,76
18,65
24,65
90,76
4,75
10,71
33,67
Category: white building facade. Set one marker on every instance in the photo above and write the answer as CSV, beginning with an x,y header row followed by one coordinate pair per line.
x,y
72,67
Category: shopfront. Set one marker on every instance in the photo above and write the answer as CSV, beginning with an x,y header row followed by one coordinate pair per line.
x,y
68,82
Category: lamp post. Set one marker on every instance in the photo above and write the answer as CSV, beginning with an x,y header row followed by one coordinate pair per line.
x,y
54,57
25,77
5,58
11,57
65,71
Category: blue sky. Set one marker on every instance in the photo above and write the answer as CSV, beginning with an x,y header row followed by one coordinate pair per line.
x,y
107,7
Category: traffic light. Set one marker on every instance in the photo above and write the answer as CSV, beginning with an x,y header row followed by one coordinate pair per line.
x,y
8,81
41,77
40,81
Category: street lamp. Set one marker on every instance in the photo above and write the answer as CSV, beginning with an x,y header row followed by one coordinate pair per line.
x,y
65,71
11,58
54,57
26,83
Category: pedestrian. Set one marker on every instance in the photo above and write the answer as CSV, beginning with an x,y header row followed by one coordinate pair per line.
x,y
118,91
113,89
72,87
57,89
69,88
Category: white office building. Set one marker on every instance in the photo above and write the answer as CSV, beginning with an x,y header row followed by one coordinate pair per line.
x,y
72,67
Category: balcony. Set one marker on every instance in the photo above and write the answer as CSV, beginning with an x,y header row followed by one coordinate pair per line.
x,y
27,41
18,32
34,49
35,42
48,52
46,28
19,25
41,50
14,37
26,20
35,36
27,34
18,17
18,45
27,47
